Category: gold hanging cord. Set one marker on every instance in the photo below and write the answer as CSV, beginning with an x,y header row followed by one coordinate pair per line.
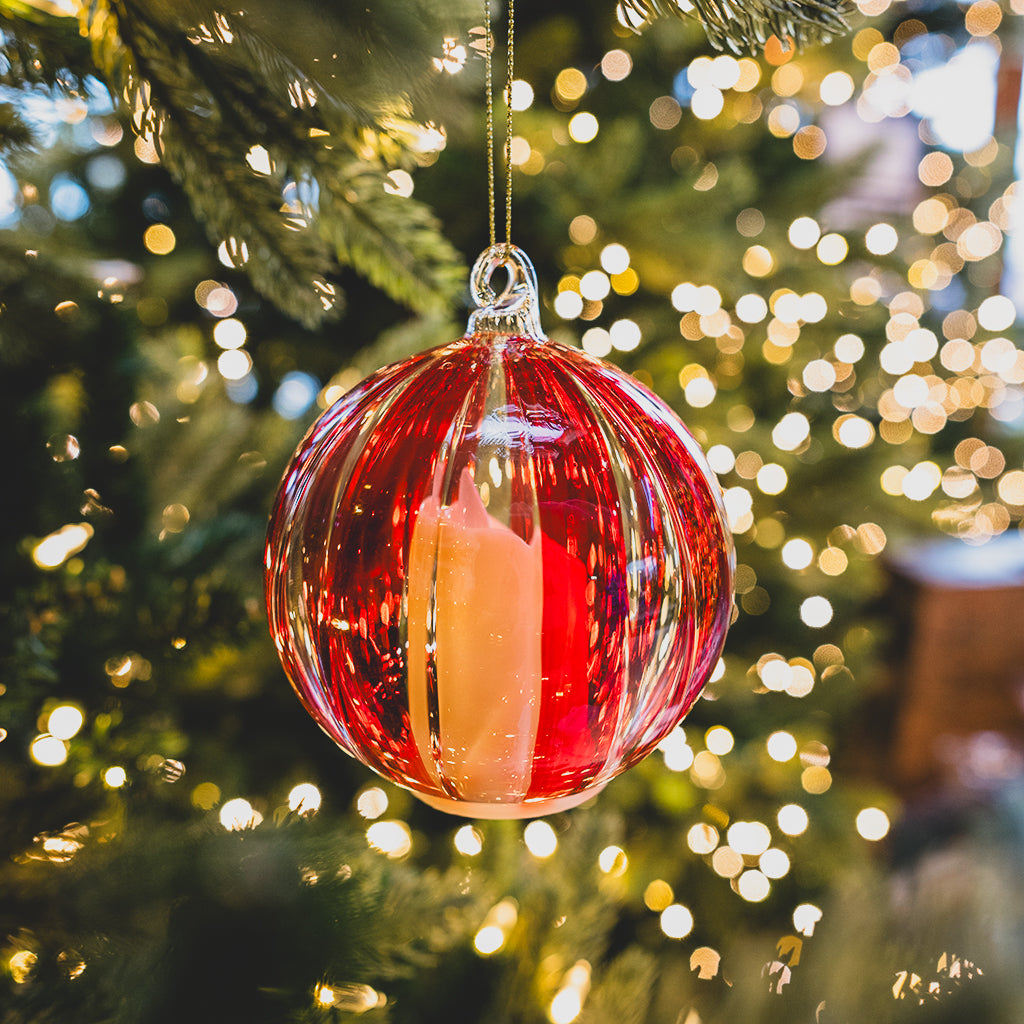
x,y
489,85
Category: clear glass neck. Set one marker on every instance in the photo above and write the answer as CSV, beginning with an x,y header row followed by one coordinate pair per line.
x,y
513,310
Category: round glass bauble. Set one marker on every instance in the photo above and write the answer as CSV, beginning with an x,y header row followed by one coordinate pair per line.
x,y
498,572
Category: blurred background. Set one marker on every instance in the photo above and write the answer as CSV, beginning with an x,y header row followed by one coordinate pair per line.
x,y
214,223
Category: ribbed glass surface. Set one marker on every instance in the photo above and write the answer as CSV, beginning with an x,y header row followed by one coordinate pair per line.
x,y
497,573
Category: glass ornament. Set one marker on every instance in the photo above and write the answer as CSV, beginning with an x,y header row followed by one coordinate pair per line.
x,y
498,572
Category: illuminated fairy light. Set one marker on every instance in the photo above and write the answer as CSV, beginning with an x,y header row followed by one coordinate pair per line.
x,y
804,233
797,554
792,819
238,814
615,258
853,431
65,721
234,364
774,863
233,253
489,940
751,308
304,799
719,740
20,964
349,998
625,335
707,103
702,838
572,994
468,841
721,459
791,431
594,285
707,771
676,921
230,333
56,548
568,304
676,751
540,839
753,886
400,183
616,65
805,917
997,313
48,751
749,838
583,127
819,375
612,861
392,838
453,58
115,777
775,673
781,746
726,862
597,342
159,239
836,88
873,824
816,612
570,85
494,932
881,239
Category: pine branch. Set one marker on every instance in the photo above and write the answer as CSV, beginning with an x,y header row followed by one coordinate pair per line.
x,y
747,24
395,242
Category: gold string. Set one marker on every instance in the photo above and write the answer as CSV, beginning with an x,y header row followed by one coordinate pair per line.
x,y
489,85
488,45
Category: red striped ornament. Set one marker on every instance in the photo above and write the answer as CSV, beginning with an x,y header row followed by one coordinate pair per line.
x,y
498,573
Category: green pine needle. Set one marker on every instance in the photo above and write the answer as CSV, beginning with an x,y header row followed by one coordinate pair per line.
x,y
748,24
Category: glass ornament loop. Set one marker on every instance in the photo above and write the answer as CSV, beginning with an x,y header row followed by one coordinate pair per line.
x,y
513,311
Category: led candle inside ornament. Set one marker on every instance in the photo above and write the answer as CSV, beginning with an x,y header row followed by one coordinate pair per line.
x,y
498,572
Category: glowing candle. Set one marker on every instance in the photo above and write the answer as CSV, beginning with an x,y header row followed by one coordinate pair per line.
x,y
475,591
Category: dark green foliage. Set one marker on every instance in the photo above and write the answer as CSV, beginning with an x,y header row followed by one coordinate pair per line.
x,y
746,25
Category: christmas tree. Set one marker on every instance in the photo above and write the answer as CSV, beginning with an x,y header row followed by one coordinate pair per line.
x,y
216,223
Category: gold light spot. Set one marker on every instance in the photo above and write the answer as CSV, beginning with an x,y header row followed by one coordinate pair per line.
x,y
48,751
833,561
658,895
749,75
983,17
792,819
665,113
540,839
1011,488
570,85
726,862
56,548
882,57
758,261
832,249
783,121
836,88
935,169
676,921
582,231
873,823
238,815
787,80
616,65
777,52
809,143
391,838
816,780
